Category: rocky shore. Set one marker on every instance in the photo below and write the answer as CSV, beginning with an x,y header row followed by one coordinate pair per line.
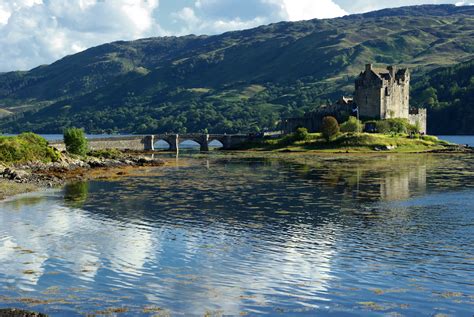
x,y
21,178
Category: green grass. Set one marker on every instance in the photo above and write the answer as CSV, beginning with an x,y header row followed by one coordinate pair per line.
x,y
27,147
350,142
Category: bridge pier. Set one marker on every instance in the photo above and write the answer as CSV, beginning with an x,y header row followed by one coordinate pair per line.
x,y
173,141
204,143
226,142
149,143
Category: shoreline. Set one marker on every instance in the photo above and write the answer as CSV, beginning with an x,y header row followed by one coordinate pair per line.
x,y
36,176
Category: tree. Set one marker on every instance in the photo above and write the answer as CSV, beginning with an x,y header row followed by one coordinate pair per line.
x,y
329,128
75,140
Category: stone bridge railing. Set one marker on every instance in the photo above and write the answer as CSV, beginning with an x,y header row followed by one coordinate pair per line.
x,y
147,142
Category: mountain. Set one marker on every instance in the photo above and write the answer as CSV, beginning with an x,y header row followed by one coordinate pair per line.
x,y
235,82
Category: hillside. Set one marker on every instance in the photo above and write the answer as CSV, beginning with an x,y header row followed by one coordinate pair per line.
x,y
235,82
448,93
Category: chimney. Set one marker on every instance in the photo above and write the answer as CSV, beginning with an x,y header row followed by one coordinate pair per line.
x,y
368,67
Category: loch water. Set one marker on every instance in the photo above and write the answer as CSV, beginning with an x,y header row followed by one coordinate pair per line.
x,y
385,235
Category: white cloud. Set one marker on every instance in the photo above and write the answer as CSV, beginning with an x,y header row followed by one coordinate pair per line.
x,y
33,32
192,23
360,6
213,16
308,9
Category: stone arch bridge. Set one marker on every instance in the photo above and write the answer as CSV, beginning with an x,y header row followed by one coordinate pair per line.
x,y
147,142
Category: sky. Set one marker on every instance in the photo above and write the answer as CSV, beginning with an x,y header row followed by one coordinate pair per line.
x,y
36,32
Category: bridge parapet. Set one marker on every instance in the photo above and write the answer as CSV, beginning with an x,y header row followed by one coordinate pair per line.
x,y
147,142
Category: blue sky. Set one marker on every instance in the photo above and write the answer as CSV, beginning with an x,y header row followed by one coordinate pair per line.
x,y
35,32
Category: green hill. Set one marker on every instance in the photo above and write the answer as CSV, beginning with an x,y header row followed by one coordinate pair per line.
x,y
235,82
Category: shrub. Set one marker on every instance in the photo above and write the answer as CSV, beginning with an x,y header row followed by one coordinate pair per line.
x,y
27,147
75,140
395,126
382,126
398,125
329,128
351,125
301,134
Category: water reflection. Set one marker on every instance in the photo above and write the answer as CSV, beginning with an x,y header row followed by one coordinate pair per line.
x,y
257,236
75,194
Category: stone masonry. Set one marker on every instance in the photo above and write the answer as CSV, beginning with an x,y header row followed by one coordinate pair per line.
x,y
383,93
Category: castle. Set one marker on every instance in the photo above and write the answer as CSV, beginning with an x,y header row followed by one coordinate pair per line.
x,y
380,93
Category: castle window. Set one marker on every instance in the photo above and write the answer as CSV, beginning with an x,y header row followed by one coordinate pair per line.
x,y
387,91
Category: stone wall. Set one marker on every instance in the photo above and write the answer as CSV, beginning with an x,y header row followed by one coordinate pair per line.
x,y
419,116
396,98
368,94
313,120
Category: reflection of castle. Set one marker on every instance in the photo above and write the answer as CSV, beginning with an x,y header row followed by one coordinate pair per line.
x,y
380,93
404,184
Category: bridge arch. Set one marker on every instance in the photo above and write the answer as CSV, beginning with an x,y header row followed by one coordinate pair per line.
x,y
216,142
190,143
161,144
174,140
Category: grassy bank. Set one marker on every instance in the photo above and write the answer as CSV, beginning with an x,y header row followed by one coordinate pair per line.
x,y
26,147
350,142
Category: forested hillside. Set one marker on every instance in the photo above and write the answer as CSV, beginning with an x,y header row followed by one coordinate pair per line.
x,y
448,93
235,82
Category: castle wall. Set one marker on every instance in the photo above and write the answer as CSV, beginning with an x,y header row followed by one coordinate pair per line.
x,y
368,95
396,99
383,93
313,120
420,116
369,99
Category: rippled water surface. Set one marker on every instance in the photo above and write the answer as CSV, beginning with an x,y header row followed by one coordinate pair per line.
x,y
325,236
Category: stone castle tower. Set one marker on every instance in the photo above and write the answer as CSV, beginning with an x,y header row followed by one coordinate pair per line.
x,y
383,93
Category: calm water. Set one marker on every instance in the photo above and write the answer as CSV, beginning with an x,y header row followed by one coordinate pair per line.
x,y
381,236
458,139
